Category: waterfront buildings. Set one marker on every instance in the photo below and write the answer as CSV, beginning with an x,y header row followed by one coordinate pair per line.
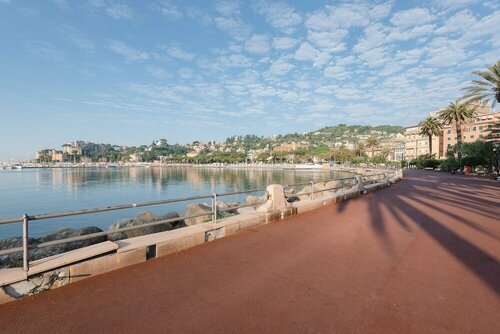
x,y
416,144
289,147
477,129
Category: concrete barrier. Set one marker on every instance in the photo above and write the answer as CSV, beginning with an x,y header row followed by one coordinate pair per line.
x,y
135,250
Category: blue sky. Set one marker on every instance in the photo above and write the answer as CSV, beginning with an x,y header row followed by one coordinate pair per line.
x,y
130,72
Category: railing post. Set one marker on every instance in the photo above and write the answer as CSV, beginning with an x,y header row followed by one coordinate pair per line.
x,y
312,190
25,243
214,208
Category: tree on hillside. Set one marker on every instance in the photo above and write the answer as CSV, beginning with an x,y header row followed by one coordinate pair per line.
x,y
429,127
359,150
485,89
457,113
372,142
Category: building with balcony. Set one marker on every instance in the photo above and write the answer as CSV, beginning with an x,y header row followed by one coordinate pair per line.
x,y
479,128
417,145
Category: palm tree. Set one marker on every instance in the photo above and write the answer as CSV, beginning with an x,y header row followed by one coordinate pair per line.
x,y
429,127
457,113
372,142
359,149
487,88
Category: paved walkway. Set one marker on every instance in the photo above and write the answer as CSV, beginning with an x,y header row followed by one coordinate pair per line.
x,y
422,256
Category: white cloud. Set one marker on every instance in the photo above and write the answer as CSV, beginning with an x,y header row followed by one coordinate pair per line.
x,y
157,72
409,57
257,44
129,53
170,11
179,53
330,40
307,52
185,73
445,52
280,67
225,61
60,3
373,37
488,25
279,15
235,27
375,57
283,43
199,15
412,17
77,38
403,34
228,8
454,4
335,72
458,23
119,11
347,15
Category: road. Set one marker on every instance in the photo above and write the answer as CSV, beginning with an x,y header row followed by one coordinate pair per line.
x,y
422,256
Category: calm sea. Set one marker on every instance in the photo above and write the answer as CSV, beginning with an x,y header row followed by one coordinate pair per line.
x,y
37,191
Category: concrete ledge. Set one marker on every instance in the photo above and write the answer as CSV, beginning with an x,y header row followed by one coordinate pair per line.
x,y
127,245
374,186
105,264
12,275
327,199
237,223
177,244
64,259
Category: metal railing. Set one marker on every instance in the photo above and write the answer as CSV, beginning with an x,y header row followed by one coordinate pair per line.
x,y
348,182
312,183
25,219
373,178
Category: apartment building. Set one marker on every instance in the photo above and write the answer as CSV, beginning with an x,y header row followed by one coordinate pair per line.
x,y
416,144
477,129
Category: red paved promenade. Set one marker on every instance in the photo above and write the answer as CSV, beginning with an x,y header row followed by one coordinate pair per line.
x,y
422,256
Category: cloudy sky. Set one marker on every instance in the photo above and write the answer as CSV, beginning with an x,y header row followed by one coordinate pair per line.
x,y
130,72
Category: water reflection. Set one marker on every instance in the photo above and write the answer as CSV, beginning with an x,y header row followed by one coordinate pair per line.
x,y
35,191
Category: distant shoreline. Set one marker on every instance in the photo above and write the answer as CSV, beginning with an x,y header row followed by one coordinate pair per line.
x,y
361,170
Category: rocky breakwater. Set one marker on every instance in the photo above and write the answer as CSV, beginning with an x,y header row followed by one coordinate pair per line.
x,y
16,259
141,221
319,189
143,218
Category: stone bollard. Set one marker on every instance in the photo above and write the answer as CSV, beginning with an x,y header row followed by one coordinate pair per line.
x,y
276,199
359,179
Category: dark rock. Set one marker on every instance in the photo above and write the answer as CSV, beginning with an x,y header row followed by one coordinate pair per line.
x,y
141,219
250,199
16,259
195,209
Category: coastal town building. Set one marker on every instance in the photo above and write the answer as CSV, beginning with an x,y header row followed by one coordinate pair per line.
x,y
290,147
477,129
416,144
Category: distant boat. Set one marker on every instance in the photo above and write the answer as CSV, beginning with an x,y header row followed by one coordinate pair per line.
x,y
17,167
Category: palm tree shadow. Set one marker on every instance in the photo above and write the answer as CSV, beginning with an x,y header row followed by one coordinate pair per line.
x,y
401,196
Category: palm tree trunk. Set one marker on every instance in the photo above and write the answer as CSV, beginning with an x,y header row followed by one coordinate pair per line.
x,y
459,146
430,145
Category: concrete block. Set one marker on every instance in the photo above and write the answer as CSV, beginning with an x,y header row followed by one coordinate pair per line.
x,y
106,263
276,200
178,244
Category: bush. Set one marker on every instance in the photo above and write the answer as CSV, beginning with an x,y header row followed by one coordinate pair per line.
x,y
425,161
